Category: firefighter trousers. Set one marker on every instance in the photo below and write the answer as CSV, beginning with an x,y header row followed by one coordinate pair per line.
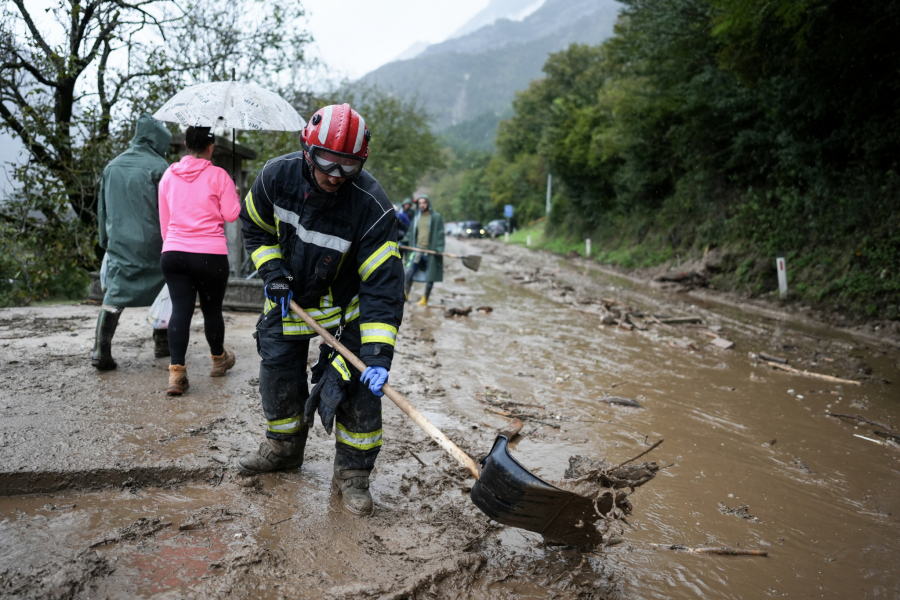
x,y
284,390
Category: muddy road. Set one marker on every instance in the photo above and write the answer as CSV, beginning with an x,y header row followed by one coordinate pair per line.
x,y
110,489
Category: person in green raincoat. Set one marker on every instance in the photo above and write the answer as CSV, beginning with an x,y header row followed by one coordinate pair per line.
x,y
426,232
128,224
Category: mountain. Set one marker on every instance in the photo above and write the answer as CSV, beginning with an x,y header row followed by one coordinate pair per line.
x,y
474,77
415,49
515,10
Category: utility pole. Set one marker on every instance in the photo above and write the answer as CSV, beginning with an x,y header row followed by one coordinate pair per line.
x,y
549,188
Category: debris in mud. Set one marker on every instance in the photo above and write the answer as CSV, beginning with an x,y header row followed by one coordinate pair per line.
x,y
49,506
620,401
714,550
56,581
679,320
794,371
142,528
503,405
771,358
686,278
798,462
484,309
862,419
722,343
454,311
604,484
742,511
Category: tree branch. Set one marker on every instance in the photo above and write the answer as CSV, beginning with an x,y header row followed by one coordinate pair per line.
x,y
51,55
37,149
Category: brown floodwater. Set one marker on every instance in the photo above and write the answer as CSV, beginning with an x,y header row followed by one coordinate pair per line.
x,y
823,502
736,432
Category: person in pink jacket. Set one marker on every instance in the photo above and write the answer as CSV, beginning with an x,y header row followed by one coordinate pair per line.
x,y
195,200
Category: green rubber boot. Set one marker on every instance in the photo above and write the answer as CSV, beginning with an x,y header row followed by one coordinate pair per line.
x,y
107,322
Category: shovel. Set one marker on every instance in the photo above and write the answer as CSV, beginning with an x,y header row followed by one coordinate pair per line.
x,y
504,490
470,262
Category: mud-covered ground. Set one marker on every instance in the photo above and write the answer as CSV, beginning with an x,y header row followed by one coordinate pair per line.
x,y
112,489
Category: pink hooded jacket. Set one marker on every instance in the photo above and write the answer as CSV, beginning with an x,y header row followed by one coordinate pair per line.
x,y
195,200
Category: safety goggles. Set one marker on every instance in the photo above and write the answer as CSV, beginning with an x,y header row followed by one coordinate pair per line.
x,y
335,164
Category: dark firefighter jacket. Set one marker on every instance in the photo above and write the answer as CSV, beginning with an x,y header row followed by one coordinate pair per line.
x,y
339,252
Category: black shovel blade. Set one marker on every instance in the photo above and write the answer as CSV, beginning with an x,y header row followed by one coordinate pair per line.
x,y
472,262
507,493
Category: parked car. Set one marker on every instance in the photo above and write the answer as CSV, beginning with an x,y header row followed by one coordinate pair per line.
x,y
471,229
497,227
451,228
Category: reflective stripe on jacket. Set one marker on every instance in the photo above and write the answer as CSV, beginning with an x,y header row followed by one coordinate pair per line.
x,y
339,252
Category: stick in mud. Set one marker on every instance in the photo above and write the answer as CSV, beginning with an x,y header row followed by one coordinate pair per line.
x,y
860,418
647,451
714,550
809,374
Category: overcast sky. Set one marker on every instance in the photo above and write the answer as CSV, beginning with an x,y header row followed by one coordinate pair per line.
x,y
354,37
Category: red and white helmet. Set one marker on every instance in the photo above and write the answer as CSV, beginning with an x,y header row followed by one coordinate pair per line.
x,y
336,140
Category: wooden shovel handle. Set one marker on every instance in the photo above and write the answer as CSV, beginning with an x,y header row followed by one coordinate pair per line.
x,y
404,405
430,251
512,428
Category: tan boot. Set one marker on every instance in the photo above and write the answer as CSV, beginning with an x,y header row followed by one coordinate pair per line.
x,y
178,380
221,363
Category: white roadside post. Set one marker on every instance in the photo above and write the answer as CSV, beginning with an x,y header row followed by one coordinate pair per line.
x,y
587,247
506,237
782,276
549,188
528,241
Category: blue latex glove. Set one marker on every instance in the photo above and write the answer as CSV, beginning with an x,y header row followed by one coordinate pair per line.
x,y
279,292
375,378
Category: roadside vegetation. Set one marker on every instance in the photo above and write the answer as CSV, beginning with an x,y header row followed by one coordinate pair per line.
x,y
759,128
71,92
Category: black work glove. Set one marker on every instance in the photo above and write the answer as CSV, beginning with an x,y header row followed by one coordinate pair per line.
x,y
325,398
332,388
279,292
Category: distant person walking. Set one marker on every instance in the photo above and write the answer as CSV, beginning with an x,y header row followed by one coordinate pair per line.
x,y
427,233
195,200
128,226
403,221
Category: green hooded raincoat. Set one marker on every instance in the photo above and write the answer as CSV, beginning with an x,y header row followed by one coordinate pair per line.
x,y
128,216
435,270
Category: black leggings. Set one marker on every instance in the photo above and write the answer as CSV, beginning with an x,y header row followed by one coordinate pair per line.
x,y
187,274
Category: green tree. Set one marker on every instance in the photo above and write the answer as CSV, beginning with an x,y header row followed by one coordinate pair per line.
x,y
71,87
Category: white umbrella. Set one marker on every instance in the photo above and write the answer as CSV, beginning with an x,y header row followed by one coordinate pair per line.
x,y
231,104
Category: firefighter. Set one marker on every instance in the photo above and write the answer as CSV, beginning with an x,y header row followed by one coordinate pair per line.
x,y
321,231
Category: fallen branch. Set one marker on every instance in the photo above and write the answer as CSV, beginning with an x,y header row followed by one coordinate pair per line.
x,y
809,374
771,358
860,418
714,550
640,455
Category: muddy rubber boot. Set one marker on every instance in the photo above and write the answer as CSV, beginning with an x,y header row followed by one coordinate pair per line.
x,y
408,286
353,487
423,301
161,343
221,363
274,455
178,380
107,321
